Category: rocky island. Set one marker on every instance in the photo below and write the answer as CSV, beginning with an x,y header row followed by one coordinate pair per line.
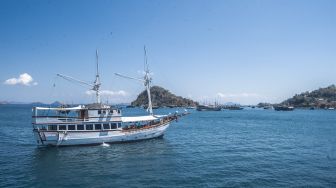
x,y
162,97
320,98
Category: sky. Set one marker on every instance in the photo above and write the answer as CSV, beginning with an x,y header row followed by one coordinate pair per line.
x,y
244,51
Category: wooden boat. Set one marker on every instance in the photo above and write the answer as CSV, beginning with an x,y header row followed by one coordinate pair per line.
x,y
96,123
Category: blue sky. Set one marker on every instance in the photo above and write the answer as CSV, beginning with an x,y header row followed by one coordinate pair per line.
x,y
230,51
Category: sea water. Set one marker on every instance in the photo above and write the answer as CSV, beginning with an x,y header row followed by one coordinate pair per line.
x,y
245,148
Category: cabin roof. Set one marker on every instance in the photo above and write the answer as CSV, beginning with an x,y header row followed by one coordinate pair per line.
x,y
97,106
93,106
60,108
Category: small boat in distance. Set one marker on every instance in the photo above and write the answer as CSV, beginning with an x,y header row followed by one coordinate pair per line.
x,y
233,107
208,108
97,123
191,107
283,108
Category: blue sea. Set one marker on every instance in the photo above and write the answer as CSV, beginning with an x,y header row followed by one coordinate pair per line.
x,y
247,148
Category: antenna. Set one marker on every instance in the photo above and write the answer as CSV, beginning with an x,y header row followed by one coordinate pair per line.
x,y
97,63
145,60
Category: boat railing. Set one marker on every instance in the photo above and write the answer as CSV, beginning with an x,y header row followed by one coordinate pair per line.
x,y
150,125
39,119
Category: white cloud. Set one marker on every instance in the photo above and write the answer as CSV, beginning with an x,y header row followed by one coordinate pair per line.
x,y
24,79
108,93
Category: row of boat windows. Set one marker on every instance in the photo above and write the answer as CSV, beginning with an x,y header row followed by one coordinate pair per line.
x,y
105,126
106,111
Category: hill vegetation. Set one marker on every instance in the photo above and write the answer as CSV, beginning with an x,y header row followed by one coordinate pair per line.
x,y
162,97
320,98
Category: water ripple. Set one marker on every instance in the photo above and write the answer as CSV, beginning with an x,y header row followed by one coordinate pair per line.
x,y
249,148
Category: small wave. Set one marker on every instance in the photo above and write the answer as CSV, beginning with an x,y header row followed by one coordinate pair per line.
x,y
105,144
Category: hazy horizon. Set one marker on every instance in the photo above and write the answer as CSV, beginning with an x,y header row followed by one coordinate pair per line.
x,y
227,51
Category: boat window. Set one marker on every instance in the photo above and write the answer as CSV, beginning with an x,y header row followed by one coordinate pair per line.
x,y
119,125
98,127
71,127
113,125
62,127
80,127
89,127
52,127
99,111
106,126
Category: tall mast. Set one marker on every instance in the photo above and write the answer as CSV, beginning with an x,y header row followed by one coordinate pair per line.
x,y
97,81
147,82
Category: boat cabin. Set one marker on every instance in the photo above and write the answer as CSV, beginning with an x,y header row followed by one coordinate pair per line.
x,y
80,127
82,113
92,117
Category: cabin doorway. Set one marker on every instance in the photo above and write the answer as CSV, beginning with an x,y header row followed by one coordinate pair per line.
x,y
83,114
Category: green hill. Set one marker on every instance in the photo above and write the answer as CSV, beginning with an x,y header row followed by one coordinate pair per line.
x,y
162,97
320,98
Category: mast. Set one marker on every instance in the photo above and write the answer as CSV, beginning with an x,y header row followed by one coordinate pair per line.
x,y
97,81
96,84
147,80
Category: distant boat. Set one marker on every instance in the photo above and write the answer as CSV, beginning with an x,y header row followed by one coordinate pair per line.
x,y
331,108
267,107
235,107
153,107
191,107
283,108
208,108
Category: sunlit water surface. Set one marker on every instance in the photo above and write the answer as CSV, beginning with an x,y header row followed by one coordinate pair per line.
x,y
247,148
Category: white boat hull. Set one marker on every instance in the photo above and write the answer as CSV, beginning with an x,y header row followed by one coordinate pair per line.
x,y
67,138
